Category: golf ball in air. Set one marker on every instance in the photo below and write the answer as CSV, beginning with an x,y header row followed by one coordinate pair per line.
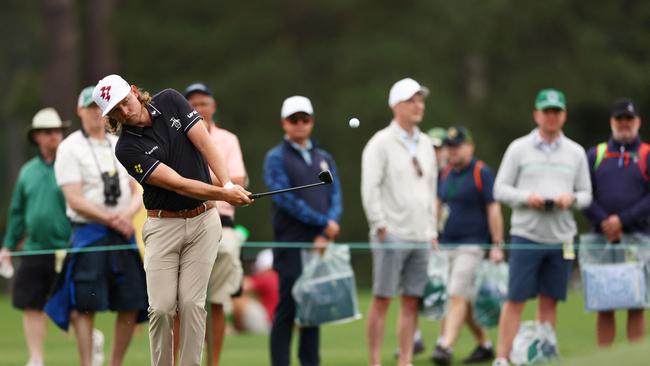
x,y
354,122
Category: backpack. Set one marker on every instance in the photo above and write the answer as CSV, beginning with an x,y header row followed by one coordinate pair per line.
x,y
478,181
603,153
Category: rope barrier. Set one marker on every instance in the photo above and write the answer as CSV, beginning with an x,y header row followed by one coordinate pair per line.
x,y
308,245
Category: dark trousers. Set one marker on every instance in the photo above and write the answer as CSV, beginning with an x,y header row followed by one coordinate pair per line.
x,y
283,323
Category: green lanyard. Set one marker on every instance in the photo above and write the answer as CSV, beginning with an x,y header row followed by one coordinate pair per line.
x,y
452,189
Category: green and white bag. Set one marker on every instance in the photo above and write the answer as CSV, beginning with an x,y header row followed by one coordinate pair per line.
x,y
433,305
534,343
491,291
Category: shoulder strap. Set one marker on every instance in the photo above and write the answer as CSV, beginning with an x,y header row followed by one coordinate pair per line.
x,y
642,161
601,150
477,175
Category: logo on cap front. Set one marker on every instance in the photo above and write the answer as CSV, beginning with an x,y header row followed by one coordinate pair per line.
x,y
553,97
106,95
630,108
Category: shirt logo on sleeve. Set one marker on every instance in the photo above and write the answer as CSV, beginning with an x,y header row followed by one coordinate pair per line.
x,y
138,168
176,123
192,114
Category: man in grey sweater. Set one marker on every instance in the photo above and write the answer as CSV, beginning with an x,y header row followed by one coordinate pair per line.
x,y
543,176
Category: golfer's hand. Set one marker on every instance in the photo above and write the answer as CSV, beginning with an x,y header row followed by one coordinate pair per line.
x,y
564,201
496,254
535,201
332,229
5,255
237,196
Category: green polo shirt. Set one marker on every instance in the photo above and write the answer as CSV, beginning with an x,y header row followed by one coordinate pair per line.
x,y
37,210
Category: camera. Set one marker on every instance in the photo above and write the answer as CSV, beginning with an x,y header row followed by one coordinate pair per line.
x,y
549,205
111,188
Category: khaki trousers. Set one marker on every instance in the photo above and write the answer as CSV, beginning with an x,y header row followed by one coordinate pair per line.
x,y
178,258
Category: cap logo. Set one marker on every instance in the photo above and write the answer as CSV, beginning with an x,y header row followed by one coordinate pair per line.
x,y
552,97
452,132
106,95
630,108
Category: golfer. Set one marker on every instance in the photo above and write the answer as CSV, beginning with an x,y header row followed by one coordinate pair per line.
x,y
165,148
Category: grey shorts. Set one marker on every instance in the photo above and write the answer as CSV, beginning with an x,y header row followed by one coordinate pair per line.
x,y
393,269
463,263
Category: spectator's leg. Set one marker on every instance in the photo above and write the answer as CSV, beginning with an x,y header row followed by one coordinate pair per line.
x,y
480,334
83,322
308,349
282,328
124,327
509,326
635,325
238,312
35,326
547,310
606,328
454,320
376,325
406,325
218,331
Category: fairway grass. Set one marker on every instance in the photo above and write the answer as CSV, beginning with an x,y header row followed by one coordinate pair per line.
x,y
342,345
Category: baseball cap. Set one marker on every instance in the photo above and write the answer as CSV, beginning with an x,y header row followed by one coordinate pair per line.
x,y
403,90
86,97
296,104
197,88
437,136
550,99
45,119
109,91
624,107
264,260
457,136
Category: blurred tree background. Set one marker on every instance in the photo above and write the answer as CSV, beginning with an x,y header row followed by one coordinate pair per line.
x,y
484,62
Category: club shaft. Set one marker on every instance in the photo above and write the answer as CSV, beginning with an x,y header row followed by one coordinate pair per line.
x,y
258,195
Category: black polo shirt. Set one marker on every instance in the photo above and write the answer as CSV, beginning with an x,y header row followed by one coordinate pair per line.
x,y
142,149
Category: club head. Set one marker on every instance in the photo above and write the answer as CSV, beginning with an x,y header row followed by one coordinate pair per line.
x,y
325,176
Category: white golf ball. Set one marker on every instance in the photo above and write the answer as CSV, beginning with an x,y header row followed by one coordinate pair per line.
x,y
354,122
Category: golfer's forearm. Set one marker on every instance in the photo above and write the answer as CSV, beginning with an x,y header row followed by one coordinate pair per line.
x,y
198,190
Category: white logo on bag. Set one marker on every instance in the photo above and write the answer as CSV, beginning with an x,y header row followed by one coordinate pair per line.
x,y
176,123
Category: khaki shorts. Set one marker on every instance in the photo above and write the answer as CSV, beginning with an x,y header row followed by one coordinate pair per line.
x,y
227,272
463,263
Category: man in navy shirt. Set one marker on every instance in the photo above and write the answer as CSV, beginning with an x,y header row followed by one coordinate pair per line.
x,y
474,218
621,199
302,216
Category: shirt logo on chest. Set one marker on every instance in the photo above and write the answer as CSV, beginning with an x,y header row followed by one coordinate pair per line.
x,y
138,168
176,123
152,150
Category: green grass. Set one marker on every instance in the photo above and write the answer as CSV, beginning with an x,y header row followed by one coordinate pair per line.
x,y
342,345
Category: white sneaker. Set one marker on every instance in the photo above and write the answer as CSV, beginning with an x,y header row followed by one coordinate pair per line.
x,y
34,363
98,348
500,362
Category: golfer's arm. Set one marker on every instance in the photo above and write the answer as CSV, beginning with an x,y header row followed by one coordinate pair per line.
x,y
201,139
165,177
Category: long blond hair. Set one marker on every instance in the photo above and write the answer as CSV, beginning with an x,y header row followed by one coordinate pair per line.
x,y
113,125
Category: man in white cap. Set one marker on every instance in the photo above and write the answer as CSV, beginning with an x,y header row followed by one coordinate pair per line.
x,y
101,202
398,189
37,218
166,148
302,216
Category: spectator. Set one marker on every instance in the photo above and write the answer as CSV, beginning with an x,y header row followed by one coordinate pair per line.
x,y
437,136
621,204
227,273
398,187
301,216
255,309
37,216
101,201
474,218
542,176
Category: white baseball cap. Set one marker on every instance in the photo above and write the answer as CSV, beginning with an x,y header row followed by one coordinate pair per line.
x,y
264,260
404,89
109,91
296,104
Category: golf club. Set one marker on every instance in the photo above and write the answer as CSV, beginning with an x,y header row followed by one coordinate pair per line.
x,y
325,177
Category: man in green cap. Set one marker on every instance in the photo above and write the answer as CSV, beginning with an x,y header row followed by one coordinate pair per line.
x,y
543,176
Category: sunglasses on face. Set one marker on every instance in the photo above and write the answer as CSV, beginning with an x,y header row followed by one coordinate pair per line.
x,y
298,117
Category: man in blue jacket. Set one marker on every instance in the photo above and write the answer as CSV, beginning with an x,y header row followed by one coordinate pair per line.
x,y
621,199
303,216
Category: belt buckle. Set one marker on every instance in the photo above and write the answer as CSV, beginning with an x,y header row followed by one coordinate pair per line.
x,y
183,213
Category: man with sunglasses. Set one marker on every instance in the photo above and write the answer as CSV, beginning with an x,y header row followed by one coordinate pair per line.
x,y
302,216
543,176
398,186
621,204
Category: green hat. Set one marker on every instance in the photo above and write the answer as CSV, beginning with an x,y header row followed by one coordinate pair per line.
x,y
86,97
550,99
458,135
437,135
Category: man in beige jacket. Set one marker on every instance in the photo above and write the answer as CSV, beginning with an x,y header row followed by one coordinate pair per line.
x,y
398,187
